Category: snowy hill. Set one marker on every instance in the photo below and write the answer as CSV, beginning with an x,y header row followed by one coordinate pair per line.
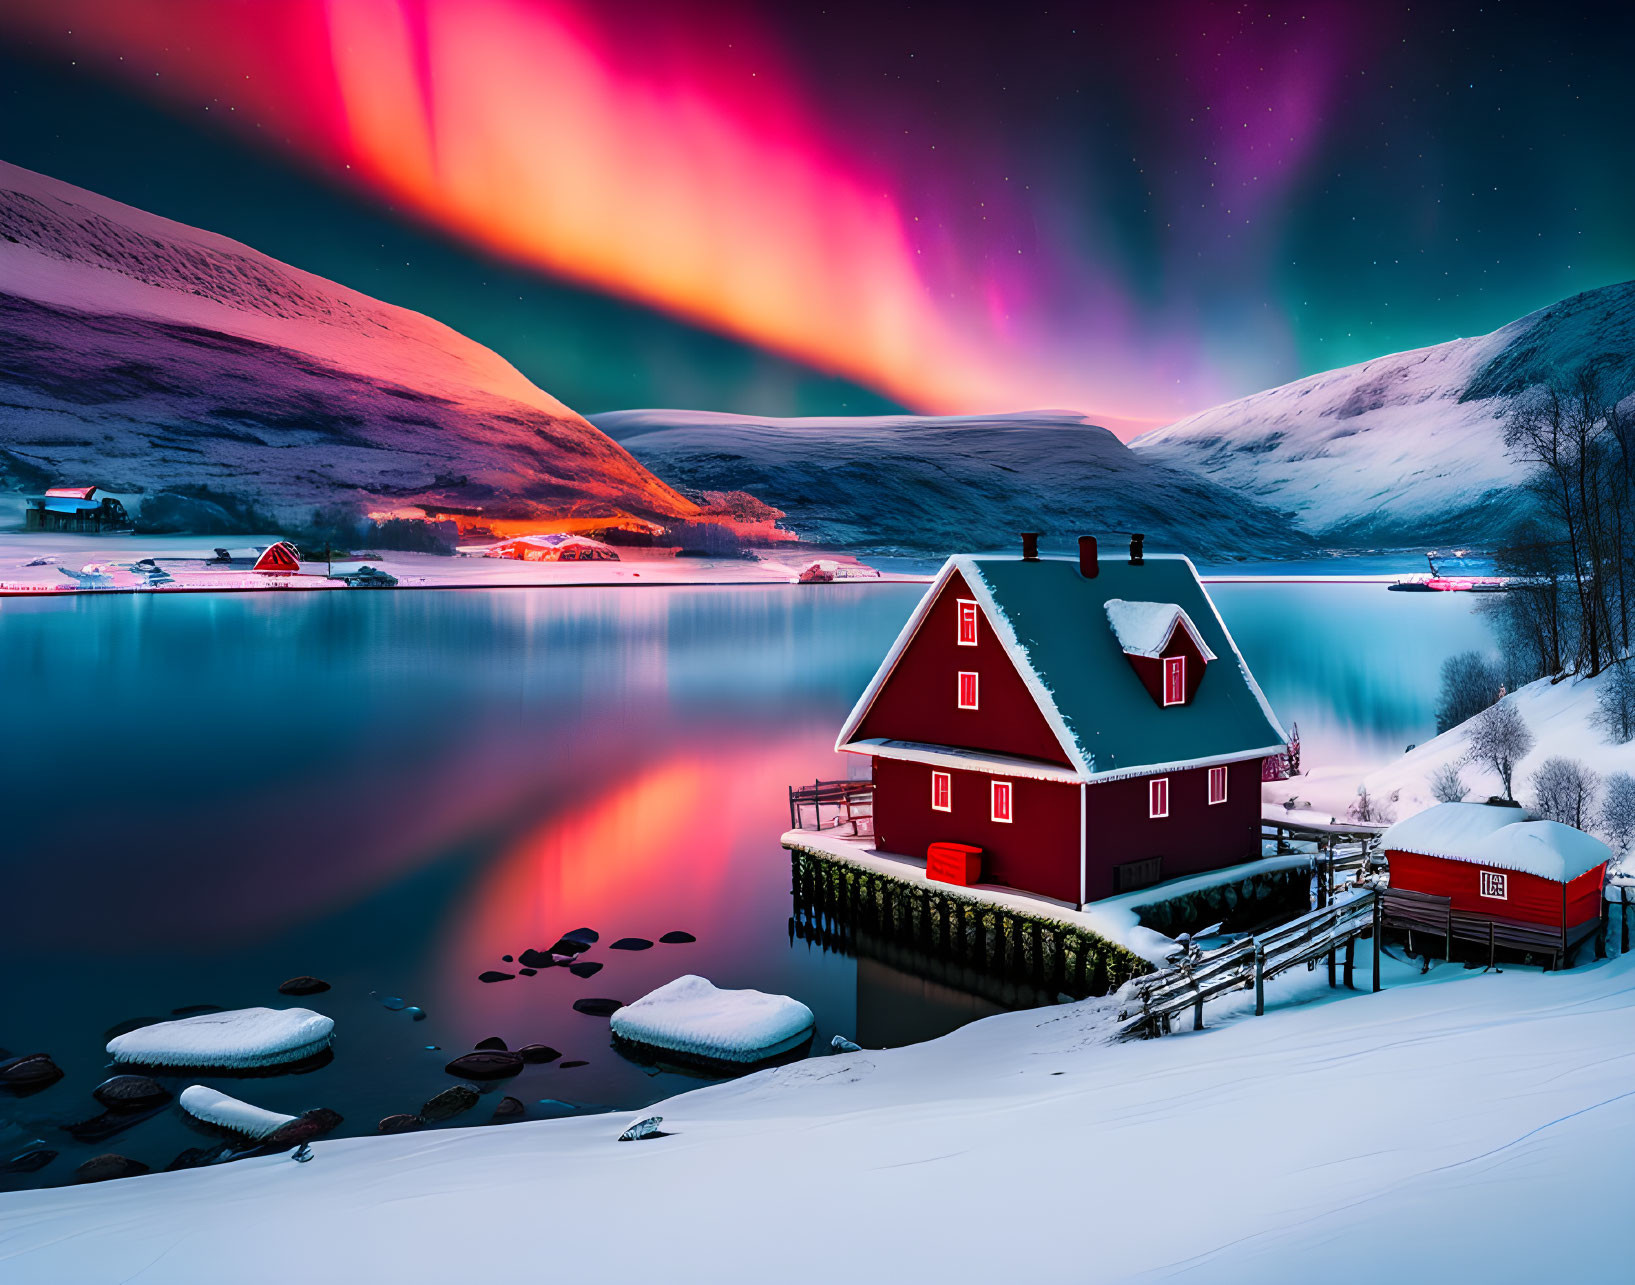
x,y
141,354
928,485
1404,448
1561,718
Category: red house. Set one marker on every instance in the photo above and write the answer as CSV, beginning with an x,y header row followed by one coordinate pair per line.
x,y
1089,725
1495,866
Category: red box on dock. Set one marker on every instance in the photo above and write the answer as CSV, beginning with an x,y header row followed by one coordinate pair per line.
x,y
956,863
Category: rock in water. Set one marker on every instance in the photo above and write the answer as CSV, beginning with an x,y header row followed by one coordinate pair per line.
x,y
538,1053
29,1161
303,986
449,1103
569,946
535,959
130,1093
631,943
692,1017
586,968
416,1013
485,1064
492,1042
213,1107
399,1123
195,1157
303,1129
493,976
840,1044
646,1128
528,972
111,1165
677,938
31,1071
597,1007
568,1066
507,1110
506,959
393,1002
242,1038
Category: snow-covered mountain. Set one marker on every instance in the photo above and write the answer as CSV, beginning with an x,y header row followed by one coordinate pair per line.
x,y
1403,448
928,485
142,355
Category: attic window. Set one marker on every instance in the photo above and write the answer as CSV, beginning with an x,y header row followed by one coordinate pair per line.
x,y
1175,680
967,623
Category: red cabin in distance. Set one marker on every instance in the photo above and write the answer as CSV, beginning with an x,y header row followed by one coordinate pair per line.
x,y
1090,726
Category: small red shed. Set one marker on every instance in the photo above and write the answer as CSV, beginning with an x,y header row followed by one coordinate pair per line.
x,y
1496,866
278,558
1089,725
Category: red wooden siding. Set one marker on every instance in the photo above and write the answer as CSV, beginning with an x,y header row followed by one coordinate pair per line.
x,y
919,699
1195,836
1528,898
1150,669
1038,851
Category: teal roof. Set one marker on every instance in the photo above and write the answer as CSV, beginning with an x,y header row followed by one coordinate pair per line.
x,y
1058,620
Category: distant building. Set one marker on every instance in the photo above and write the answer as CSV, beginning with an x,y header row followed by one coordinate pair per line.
x,y
556,547
79,509
1089,726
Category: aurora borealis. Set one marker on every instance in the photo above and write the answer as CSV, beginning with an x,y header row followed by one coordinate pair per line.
x,y
1134,211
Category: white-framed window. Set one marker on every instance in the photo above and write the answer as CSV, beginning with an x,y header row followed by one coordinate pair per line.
x,y
999,798
1158,797
967,622
942,792
967,689
1217,785
1175,680
1495,884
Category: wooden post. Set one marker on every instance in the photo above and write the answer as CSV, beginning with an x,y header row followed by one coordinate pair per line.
x,y
1350,958
1490,943
1260,980
1379,924
1623,917
1198,1014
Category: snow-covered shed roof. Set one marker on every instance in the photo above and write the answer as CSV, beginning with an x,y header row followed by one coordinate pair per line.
x,y
1503,838
1052,621
1145,628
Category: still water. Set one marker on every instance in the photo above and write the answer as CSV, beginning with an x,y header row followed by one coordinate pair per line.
x,y
206,795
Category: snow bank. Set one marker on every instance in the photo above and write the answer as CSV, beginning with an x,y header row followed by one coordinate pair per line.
x,y
691,1015
204,1103
1142,628
242,1037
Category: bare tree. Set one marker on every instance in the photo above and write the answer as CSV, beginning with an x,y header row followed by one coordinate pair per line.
x,y
1447,786
1367,808
1618,812
1499,739
1564,790
1615,702
1470,683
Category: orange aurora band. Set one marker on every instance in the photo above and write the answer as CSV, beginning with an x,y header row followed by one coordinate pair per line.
x,y
702,190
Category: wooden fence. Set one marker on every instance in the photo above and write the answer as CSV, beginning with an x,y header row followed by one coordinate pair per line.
x,y
850,803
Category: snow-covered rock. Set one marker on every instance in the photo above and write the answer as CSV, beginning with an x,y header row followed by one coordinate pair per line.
x,y
204,1103
933,484
1407,447
239,1037
692,1016
146,355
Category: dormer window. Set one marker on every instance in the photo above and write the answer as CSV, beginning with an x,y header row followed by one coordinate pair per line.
x,y
1175,680
967,623
1163,647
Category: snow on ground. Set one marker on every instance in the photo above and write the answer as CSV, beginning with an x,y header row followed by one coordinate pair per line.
x,y
1561,718
1406,447
1341,1137
692,1015
182,555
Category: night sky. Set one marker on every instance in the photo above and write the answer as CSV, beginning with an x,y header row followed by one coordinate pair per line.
x,y
1136,211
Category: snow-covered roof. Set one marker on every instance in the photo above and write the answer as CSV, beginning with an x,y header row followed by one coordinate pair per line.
x,y
1504,838
1145,628
1052,623
1547,849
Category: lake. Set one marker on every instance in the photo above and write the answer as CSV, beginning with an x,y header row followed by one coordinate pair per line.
x,y
205,795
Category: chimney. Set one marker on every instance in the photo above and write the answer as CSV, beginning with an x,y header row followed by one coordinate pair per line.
x,y
1135,550
1088,567
1030,546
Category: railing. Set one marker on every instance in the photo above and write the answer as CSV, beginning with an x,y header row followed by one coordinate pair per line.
x,y
1152,1002
852,803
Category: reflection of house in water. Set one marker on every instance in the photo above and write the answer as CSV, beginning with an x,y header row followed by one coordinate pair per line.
x,y
75,508
895,1007
555,547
